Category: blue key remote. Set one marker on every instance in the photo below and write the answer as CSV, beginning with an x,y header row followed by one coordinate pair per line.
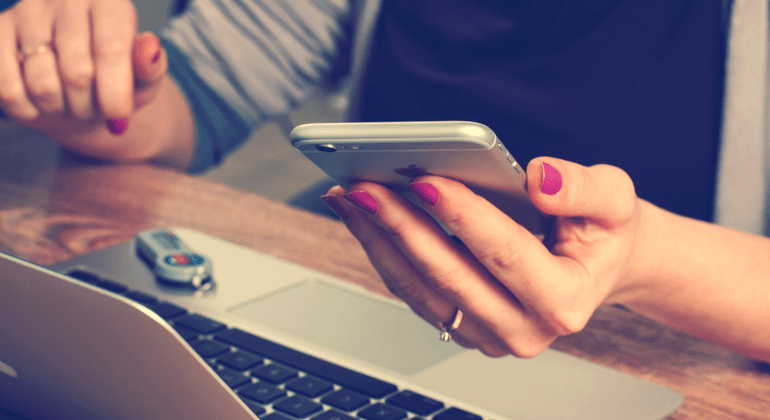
x,y
172,261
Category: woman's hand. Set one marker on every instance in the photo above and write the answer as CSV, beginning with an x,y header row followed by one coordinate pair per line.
x,y
76,69
517,294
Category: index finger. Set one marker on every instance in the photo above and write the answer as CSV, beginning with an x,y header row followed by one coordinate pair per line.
x,y
114,29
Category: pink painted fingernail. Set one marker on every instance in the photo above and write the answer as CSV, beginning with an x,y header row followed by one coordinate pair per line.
x,y
363,201
336,207
551,180
425,192
117,126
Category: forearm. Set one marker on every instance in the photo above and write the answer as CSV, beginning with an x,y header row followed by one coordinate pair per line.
x,y
165,128
703,279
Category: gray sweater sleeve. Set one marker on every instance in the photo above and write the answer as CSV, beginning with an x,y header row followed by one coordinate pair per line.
x,y
242,62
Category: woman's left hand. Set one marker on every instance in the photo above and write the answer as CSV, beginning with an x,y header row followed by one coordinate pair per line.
x,y
517,294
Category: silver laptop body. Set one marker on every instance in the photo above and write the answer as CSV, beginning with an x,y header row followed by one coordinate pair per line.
x,y
70,350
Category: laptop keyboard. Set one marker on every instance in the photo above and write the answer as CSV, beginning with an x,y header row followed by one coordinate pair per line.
x,y
279,383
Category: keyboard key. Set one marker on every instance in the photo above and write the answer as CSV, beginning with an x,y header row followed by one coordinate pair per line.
x,y
416,403
262,392
332,415
141,297
232,378
310,386
208,348
299,407
351,379
382,411
112,286
275,374
167,310
255,408
200,323
275,416
455,413
345,400
187,334
84,276
240,360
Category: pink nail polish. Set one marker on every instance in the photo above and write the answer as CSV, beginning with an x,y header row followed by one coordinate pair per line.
x,y
425,192
551,180
117,126
336,207
363,201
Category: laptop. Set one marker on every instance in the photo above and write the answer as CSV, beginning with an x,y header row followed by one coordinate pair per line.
x,y
99,337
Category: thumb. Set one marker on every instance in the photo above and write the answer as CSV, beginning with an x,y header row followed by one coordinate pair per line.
x,y
603,193
150,66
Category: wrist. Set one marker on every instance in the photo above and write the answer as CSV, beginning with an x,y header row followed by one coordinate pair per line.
x,y
645,264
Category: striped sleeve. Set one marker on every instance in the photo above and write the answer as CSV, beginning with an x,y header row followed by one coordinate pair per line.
x,y
242,62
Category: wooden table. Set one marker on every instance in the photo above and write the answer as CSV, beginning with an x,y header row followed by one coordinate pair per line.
x,y
54,206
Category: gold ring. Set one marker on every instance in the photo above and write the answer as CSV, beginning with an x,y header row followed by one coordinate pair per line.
x,y
448,329
31,50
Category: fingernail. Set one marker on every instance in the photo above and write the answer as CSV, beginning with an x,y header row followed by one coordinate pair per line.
x,y
336,207
156,57
117,126
551,180
363,201
425,192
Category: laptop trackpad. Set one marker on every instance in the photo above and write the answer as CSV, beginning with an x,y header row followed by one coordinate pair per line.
x,y
366,328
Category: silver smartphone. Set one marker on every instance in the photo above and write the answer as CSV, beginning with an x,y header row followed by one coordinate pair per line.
x,y
393,153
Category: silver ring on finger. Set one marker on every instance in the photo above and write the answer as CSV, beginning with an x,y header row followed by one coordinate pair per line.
x,y
449,328
31,50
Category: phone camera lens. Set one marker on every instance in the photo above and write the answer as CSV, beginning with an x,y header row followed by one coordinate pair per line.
x,y
328,148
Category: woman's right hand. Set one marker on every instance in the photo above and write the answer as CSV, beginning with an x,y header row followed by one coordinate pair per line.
x,y
517,293
76,69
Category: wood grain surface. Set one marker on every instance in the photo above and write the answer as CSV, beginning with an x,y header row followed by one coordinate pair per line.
x,y
54,206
